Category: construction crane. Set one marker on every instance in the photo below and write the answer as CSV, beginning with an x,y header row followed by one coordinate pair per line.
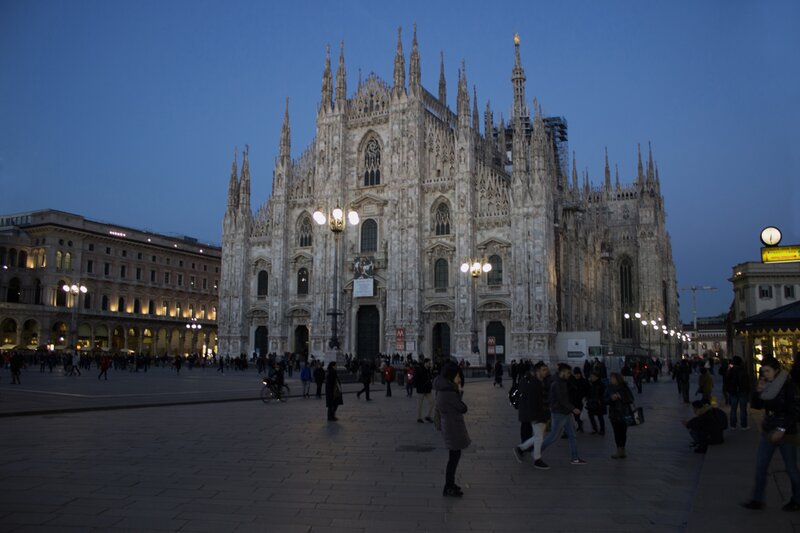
x,y
694,290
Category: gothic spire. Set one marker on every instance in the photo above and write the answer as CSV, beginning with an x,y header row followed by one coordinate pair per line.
x,y
616,176
608,173
476,116
244,182
462,100
651,175
575,183
341,80
286,142
399,66
233,185
413,68
442,83
327,84
518,79
640,169
488,120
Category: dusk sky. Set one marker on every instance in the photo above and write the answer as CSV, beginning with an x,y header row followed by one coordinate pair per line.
x,y
129,112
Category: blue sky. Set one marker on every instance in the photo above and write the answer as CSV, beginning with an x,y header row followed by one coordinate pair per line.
x,y
129,112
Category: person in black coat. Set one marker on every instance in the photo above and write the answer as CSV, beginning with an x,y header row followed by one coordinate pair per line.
x,y
534,409
777,395
366,378
319,377
707,425
579,390
498,374
596,403
451,409
619,399
736,385
333,391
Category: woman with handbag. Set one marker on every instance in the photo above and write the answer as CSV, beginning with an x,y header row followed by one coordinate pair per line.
x,y
619,399
777,395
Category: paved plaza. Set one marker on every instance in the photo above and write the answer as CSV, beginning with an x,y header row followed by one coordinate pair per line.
x,y
206,455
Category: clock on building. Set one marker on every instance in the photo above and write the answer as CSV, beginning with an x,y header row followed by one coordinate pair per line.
x,y
770,236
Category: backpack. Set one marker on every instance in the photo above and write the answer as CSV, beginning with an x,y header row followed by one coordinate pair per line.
x,y
514,396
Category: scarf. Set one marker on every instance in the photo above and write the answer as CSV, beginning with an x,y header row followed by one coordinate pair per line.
x,y
772,388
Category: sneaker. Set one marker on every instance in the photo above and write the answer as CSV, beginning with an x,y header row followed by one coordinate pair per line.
x,y
518,454
791,506
452,492
753,504
541,465
578,461
429,419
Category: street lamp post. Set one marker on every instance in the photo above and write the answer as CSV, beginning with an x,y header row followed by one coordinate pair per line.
x,y
76,289
336,222
475,267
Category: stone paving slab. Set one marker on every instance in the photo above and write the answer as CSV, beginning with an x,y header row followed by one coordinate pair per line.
x,y
246,466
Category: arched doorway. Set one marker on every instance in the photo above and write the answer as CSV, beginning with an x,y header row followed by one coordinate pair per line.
x,y
301,341
260,343
440,340
8,332
58,335
162,346
30,334
84,336
498,332
101,337
368,332
117,339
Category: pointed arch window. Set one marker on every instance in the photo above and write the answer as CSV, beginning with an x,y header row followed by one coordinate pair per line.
x,y
263,286
59,259
495,275
372,163
440,275
302,281
304,233
626,295
369,236
67,261
441,220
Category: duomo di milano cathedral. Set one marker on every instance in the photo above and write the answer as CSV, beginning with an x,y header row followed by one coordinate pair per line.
x,y
434,187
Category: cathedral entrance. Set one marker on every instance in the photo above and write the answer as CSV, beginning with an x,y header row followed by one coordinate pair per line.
x,y
260,345
368,332
497,342
440,344
301,342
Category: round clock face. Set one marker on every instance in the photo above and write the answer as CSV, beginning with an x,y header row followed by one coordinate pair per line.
x,y
770,236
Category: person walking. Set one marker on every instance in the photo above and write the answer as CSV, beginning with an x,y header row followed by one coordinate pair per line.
x,y
221,368
366,379
409,374
776,394
423,381
705,384
533,410
319,378
683,374
305,379
105,362
451,409
498,374
76,361
333,392
388,377
579,391
596,403
736,385
619,399
16,368
561,410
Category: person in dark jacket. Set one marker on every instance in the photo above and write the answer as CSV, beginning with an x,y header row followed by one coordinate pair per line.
x,y
423,381
451,409
777,395
736,385
366,379
533,409
683,374
498,374
580,391
319,377
561,410
596,403
619,399
333,391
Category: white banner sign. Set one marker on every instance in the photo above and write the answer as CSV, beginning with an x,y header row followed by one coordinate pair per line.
x,y
362,288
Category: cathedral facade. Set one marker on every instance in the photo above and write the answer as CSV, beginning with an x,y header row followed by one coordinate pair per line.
x,y
434,188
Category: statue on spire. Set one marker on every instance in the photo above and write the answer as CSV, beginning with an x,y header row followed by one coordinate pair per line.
x,y
399,66
327,84
442,83
341,80
414,74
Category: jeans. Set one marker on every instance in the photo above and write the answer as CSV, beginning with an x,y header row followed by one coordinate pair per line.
x,y
561,423
536,441
763,458
739,400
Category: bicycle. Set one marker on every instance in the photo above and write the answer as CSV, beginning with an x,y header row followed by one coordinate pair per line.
x,y
271,391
